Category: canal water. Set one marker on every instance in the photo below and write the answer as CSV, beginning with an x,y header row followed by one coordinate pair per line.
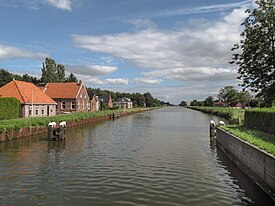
x,y
160,157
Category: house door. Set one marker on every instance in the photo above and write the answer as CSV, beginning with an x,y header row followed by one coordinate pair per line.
x,y
48,110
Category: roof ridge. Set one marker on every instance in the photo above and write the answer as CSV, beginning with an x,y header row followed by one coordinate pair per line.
x,y
19,90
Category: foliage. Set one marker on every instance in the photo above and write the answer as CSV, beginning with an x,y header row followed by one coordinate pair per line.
x,y
255,54
228,94
71,78
13,124
209,101
261,140
183,104
265,120
6,77
228,113
52,72
139,100
232,96
9,108
196,103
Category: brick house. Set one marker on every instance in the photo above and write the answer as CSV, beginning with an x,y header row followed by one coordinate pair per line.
x,y
106,101
34,102
70,96
94,103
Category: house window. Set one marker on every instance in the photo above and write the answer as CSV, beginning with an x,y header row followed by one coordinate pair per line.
x,y
72,105
88,106
78,106
37,110
30,110
56,107
63,105
43,110
80,95
85,96
82,105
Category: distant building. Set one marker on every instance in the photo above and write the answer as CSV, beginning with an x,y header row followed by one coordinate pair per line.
x,y
106,101
220,104
239,105
94,103
70,96
124,103
34,102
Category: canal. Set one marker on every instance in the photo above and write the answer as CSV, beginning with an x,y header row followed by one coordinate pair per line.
x,y
160,157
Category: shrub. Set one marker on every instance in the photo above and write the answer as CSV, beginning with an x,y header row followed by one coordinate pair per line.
x,y
260,119
9,108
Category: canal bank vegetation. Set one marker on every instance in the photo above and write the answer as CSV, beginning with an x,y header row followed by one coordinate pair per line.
x,y
259,139
230,114
14,124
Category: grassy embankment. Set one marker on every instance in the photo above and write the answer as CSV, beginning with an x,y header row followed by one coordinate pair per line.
x,y
261,140
230,114
13,124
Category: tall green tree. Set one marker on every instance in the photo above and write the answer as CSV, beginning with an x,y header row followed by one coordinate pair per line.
x,y
52,72
209,101
255,54
229,95
49,72
60,70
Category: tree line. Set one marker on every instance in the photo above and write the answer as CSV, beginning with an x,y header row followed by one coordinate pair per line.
x,y
54,72
51,72
138,99
229,96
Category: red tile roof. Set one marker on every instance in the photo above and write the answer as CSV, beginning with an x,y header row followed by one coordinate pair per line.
x,y
25,92
68,90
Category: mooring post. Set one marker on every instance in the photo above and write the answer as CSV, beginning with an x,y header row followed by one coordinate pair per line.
x,y
62,130
212,128
51,128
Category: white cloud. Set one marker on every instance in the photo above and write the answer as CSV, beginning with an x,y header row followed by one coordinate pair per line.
x,y
61,4
89,80
142,23
184,54
10,52
203,9
117,81
148,80
196,73
91,70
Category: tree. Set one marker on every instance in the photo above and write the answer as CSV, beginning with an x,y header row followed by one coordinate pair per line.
x,y
60,70
52,72
71,78
228,94
244,98
255,54
183,104
209,101
194,103
49,72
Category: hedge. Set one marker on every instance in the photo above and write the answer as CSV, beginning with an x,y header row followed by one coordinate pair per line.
x,y
260,119
9,108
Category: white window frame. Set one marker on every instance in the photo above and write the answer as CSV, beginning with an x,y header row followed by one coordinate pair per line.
x,y
30,110
63,108
43,109
82,105
36,110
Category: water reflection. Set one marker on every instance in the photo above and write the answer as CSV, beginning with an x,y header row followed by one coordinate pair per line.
x,y
160,157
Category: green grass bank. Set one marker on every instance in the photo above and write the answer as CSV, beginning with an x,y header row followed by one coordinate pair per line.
x,y
259,139
14,124
230,114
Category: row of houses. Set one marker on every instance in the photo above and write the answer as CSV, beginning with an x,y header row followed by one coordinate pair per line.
x,y
57,98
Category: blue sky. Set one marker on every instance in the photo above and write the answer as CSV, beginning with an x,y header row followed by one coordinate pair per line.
x,y
175,49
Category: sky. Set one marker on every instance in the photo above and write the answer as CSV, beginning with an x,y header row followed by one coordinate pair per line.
x,y
175,49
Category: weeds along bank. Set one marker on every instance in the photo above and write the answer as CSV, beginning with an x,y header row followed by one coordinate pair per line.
x,y
230,114
16,128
